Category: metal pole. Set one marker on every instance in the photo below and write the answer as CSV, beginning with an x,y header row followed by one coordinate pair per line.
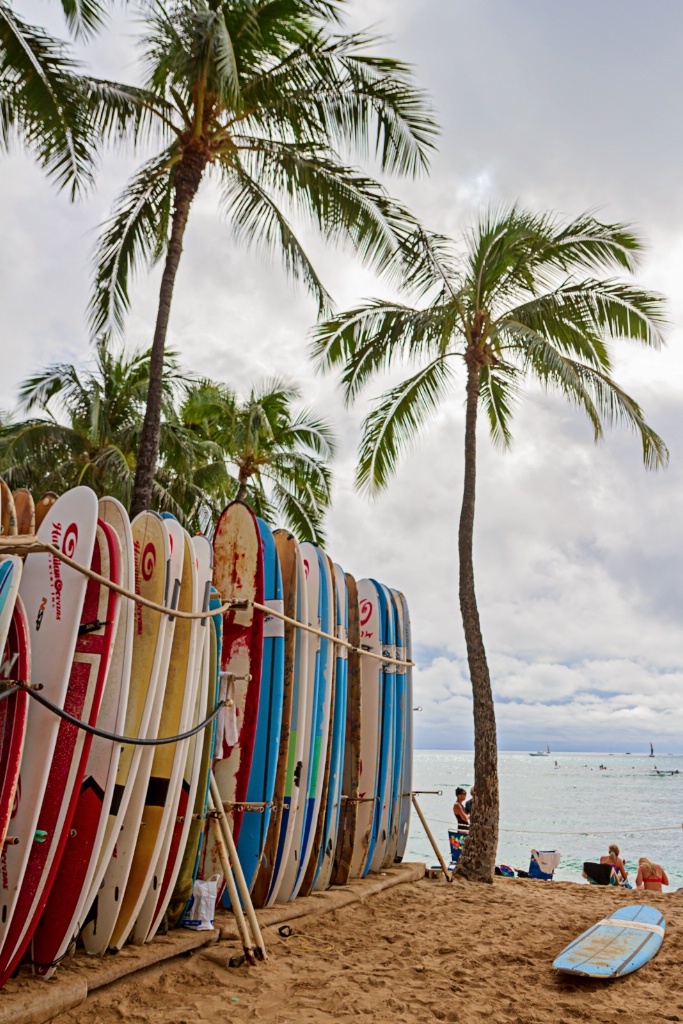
x,y
432,840
239,874
247,944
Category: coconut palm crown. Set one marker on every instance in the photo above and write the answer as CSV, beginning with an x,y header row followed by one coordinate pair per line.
x,y
275,453
266,98
524,297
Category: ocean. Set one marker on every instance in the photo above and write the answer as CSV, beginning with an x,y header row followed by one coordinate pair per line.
x,y
544,807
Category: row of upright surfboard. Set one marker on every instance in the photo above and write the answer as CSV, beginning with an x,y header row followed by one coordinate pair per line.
x,y
311,750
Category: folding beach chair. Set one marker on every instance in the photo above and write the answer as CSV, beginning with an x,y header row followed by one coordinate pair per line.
x,y
456,841
600,874
543,864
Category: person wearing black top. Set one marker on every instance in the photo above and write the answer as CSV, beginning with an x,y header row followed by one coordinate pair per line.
x,y
461,816
468,804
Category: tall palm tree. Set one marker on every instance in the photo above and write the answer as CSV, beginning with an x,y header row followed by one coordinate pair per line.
x,y
264,96
275,456
522,298
88,429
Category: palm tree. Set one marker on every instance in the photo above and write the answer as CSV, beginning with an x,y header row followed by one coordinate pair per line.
x,y
275,458
519,299
88,431
262,96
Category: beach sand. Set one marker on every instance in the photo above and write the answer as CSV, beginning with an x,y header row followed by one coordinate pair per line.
x,y
426,951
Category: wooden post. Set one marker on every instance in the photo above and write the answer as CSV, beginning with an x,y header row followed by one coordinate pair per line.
x,y
247,944
432,840
239,874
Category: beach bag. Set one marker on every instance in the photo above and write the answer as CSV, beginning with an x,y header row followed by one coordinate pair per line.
x,y
200,910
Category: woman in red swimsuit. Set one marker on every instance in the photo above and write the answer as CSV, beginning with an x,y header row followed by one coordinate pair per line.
x,y
650,876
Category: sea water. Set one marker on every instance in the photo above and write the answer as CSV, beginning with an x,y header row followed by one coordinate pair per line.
x,y
576,808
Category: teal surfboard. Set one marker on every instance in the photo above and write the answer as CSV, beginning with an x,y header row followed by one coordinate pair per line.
x,y
616,945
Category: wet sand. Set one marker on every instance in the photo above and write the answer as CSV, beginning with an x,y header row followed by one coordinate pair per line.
x,y
426,951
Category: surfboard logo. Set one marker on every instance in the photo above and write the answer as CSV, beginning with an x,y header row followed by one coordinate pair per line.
x,y
149,560
70,540
365,611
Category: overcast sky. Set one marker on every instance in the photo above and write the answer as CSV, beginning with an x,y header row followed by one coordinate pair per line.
x,y
577,547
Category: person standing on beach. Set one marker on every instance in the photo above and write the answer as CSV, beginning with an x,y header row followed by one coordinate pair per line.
x,y
650,876
617,863
461,816
468,805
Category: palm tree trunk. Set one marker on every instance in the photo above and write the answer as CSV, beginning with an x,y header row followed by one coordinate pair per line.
x,y
478,859
187,180
241,491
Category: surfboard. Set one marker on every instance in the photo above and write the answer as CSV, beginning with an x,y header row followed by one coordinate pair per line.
x,y
266,867
192,854
8,513
94,816
252,837
53,595
237,575
381,827
15,664
311,870
43,506
400,733
370,686
297,643
168,760
346,835
25,510
407,769
152,574
616,945
320,592
337,739
168,864
87,677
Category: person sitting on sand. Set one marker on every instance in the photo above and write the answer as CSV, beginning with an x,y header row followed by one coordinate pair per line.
x,y
617,863
650,876
461,816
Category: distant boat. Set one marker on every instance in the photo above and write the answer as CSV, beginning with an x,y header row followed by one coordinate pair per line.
x,y
541,753
652,751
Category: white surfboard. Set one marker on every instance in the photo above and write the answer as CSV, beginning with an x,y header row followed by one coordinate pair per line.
x,y
298,727
53,594
154,579
181,688
176,835
103,761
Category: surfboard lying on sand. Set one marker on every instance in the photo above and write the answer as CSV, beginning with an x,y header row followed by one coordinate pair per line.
x,y
615,946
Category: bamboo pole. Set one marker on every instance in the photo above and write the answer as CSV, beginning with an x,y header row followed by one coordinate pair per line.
x,y
247,943
239,874
432,840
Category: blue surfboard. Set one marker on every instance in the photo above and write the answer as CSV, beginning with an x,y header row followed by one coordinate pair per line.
x,y
215,603
400,733
380,832
328,842
252,837
616,945
407,772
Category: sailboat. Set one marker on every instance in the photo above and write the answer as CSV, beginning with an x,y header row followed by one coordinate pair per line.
x,y
541,753
652,751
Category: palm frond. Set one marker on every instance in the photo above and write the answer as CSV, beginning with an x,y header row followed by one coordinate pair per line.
x,y
136,234
396,420
498,392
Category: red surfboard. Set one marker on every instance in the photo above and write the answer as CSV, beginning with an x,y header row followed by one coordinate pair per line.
x,y
84,694
15,664
237,575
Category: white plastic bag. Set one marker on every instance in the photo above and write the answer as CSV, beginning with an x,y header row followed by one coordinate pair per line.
x,y
200,910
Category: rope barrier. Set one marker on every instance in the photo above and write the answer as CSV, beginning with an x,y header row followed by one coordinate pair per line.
x,y
29,545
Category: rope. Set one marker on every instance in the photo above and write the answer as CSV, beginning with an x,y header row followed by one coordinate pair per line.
x,y
40,547
583,832
94,731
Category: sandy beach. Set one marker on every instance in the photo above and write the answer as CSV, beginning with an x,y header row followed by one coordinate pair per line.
x,y
418,952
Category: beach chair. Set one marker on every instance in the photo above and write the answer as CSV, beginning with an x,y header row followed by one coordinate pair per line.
x,y
456,842
599,874
543,864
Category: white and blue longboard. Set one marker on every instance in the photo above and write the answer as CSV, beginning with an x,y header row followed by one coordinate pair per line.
x,y
615,946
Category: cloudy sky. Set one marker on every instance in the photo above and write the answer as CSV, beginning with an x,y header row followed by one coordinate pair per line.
x,y
577,551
